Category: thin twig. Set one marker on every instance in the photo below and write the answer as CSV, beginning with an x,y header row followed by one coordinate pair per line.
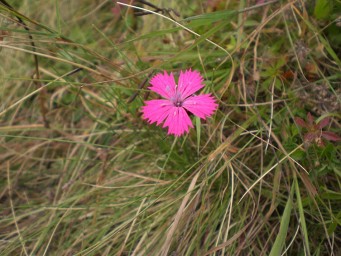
x,y
141,85
43,93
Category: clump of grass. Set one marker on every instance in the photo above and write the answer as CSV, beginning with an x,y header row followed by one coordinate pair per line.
x,y
83,174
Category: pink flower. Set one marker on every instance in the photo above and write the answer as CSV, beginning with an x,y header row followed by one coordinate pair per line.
x,y
178,99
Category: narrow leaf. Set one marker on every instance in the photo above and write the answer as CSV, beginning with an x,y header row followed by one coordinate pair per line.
x,y
324,122
207,18
300,122
198,128
310,119
283,229
323,9
302,217
331,136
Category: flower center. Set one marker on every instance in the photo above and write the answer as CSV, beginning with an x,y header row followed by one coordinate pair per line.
x,y
176,99
178,104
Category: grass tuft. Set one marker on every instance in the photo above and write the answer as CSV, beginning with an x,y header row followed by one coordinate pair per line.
x,y
83,174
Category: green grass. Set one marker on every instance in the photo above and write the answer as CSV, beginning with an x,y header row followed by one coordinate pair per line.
x,y
83,174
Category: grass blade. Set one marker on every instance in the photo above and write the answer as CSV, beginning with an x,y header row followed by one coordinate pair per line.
x,y
283,229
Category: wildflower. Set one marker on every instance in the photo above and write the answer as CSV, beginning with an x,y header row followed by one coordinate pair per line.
x,y
315,133
179,99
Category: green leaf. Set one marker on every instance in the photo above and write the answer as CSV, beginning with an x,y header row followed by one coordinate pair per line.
x,y
331,195
302,217
278,84
207,18
283,229
323,9
198,127
332,227
334,223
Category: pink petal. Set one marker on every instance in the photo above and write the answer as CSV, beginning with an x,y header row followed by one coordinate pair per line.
x,y
156,110
163,84
202,105
178,121
189,82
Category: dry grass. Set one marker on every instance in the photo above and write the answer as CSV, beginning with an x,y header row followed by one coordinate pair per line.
x,y
83,174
